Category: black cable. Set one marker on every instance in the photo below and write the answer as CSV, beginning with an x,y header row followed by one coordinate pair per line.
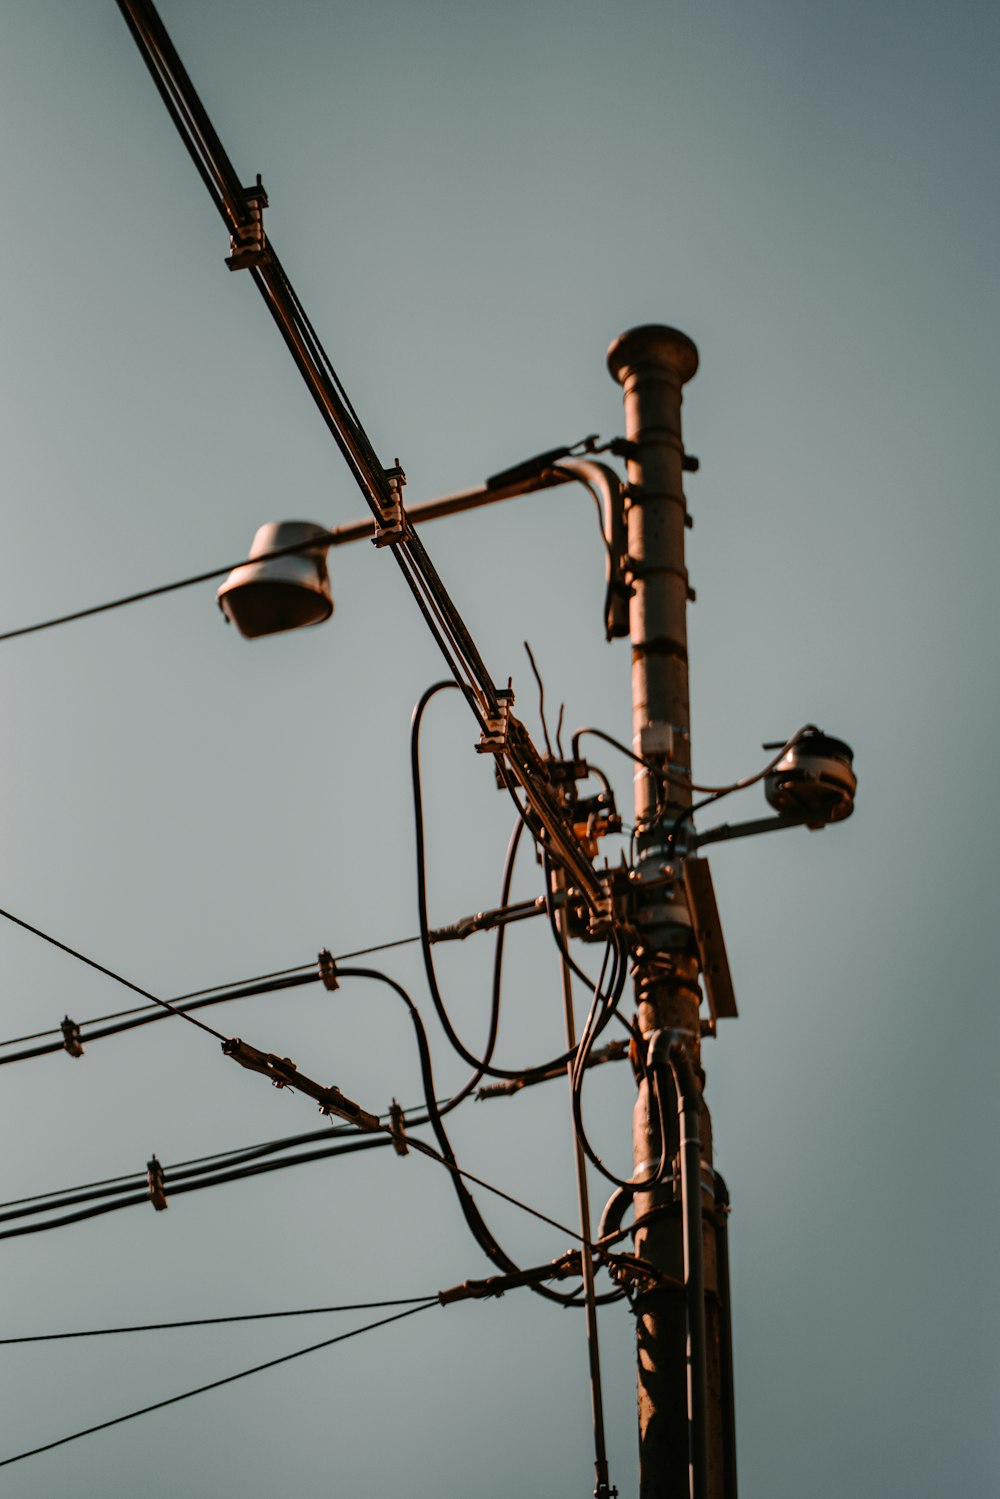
x,y
587,1040
474,1219
161,1010
108,972
541,700
718,792
328,537
488,1069
494,1026
347,1147
216,1384
305,1311
237,990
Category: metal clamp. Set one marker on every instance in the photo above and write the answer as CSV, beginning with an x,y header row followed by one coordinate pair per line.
x,y
397,1128
71,1037
281,1070
328,970
390,524
493,740
248,244
157,1186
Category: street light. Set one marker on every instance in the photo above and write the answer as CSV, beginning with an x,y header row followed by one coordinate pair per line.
x,y
269,593
272,594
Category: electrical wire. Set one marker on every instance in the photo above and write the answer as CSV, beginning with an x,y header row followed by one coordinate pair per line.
x,y
234,990
328,538
541,700
216,1384
108,972
714,792
446,1155
306,1311
179,1188
483,1063
591,1030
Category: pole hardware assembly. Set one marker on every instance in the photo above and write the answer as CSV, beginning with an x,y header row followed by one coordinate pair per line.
x,y
657,908
283,1073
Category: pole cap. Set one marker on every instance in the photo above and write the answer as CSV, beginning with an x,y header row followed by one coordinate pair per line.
x,y
653,344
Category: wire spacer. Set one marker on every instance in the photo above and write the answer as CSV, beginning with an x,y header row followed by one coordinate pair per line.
x,y
248,243
493,740
328,970
157,1187
397,1128
71,1037
390,524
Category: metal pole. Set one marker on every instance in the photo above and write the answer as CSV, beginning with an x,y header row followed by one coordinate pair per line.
x,y
652,363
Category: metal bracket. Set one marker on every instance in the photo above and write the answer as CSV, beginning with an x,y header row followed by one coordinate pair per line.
x,y
390,526
493,740
712,955
157,1187
248,244
71,1037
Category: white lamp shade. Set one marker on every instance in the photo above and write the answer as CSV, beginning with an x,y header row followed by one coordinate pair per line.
x,y
279,593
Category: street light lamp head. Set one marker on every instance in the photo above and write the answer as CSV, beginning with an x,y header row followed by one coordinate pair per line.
x,y
267,594
814,780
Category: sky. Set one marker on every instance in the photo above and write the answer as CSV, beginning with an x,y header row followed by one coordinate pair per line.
x,y
472,202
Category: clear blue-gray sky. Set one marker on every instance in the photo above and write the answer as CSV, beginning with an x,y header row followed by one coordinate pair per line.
x,y
472,202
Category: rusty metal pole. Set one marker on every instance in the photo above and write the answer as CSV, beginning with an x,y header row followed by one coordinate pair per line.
x,y
652,363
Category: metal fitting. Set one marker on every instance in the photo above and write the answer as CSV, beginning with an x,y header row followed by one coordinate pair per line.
x,y
328,970
157,1188
390,525
71,1037
248,244
493,740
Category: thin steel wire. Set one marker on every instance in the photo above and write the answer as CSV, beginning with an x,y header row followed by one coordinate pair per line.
x,y
108,972
215,1384
305,1311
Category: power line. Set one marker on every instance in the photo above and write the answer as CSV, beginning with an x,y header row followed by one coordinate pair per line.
x,y
305,1311
108,972
216,1384
177,999
118,1188
327,538
176,1188
284,978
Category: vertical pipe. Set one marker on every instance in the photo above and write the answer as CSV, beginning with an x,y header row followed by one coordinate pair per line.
x,y
652,364
602,1485
726,1341
694,1264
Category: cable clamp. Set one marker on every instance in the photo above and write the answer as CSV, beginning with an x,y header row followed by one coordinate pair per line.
x,y
390,524
157,1186
493,740
397,1128
328,970
71,1037
563,1268
281,1070
332,1101
248,243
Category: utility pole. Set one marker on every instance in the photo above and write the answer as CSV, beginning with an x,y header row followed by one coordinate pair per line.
x,y
680,1435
